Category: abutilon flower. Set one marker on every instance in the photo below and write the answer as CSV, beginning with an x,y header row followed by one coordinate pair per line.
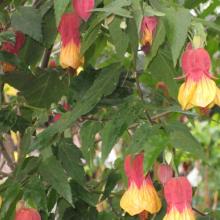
x,y
148,29
13,48
83,8
199,89
141,194
178,195
70,36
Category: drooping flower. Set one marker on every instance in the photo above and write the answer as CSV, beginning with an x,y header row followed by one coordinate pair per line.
x,y
13,48
70,35
148,29
141,194
83,8
199,89
178,195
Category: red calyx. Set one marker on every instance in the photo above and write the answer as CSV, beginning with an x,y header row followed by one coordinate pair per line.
x,y
83,8
27,214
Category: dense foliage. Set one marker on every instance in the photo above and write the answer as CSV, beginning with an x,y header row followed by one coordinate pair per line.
x,y
65,130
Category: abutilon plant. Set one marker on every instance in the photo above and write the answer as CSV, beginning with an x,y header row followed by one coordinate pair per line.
x,y
178,195
70,36
148,29
13,48
141,194
199,88
83,8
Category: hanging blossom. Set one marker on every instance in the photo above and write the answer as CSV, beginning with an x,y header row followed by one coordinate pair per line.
x,y
178,195
83,8
148,29
199,88
141,194
13,48
70,36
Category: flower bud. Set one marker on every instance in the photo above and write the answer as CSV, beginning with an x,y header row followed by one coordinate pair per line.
x,y
27,214
164,173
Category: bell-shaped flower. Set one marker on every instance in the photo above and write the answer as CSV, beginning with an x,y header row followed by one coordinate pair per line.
x,y
148,29
178,195
141,194
83,8
70,36
199,88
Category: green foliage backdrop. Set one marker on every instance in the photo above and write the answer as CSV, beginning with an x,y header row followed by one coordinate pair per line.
x,y
115,101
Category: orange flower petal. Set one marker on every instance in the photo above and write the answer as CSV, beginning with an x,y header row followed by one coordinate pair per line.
x,y
70,56
205,92
186,93
136,200
174,214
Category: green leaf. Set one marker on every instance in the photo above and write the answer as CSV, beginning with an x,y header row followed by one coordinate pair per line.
x,y
87,137
42,89
193,3
180,137
157,42
34,194
152,140
89,39
70,157
7,36
162,69
60,7
104,85
177,23
28,20
119,37
49,28
111,182
127,113
81,193
11,196
116,7
149,11
53,173
26,53
133,37
9,58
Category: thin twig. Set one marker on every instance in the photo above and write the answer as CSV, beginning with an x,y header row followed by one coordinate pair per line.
x,y
46,57
199,212
140,93
160,115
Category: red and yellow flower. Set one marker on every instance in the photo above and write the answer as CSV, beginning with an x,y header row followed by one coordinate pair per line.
x,y
178,195
148,29
70,36
199,88
83,8
141,194
12,48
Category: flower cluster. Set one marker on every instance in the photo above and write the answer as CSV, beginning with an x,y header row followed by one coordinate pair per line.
x,y
199,88
69,29
141,197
